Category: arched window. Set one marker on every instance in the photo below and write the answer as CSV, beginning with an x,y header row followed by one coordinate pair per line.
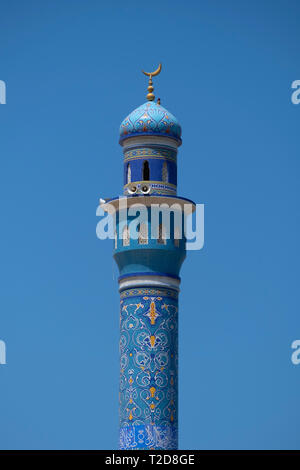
x,y
126,238
146,171
165,176
143,234
161,235
128,174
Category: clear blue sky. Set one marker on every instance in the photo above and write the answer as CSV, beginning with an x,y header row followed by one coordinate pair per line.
x,y
72,70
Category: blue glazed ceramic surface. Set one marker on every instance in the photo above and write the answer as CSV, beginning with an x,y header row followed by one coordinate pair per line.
x,y
148,375
150,118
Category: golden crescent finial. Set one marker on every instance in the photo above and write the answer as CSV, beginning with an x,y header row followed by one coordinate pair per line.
x,y
153,74
150,95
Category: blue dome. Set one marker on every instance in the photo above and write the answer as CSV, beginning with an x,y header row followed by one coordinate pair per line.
x,y
150,119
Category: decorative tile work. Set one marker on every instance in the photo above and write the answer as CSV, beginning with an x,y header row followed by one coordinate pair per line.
x,y
163,192
148,437
147,152
156,184
150,118
148,368
149,291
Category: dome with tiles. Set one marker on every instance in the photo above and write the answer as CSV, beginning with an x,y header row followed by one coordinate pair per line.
x,y
150,119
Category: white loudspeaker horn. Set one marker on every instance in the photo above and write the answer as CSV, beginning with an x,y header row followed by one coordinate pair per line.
x,y
145,188
132,189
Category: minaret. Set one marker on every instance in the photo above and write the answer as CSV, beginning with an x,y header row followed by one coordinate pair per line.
x,y
149,278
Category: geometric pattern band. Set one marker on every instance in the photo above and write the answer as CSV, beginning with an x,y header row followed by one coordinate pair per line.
x,y
153,153
149,291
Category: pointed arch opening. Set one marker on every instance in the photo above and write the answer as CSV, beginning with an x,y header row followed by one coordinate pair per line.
x,y
146,171
125,236
161,235
165,175
177,236
143,234
128,173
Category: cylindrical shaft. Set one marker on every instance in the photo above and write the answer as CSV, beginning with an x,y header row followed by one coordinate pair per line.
x,y
149,368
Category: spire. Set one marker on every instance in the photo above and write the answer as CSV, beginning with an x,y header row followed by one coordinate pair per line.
x,y
150,95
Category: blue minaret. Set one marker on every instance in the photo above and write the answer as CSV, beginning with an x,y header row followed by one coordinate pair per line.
x,y
149,279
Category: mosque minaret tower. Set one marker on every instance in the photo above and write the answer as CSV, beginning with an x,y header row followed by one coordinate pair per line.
x,y
149,279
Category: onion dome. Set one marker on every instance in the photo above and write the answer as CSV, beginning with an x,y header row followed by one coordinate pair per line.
x,y
150,119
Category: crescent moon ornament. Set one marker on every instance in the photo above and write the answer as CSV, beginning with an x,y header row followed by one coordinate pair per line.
x,y
150,95
153,74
